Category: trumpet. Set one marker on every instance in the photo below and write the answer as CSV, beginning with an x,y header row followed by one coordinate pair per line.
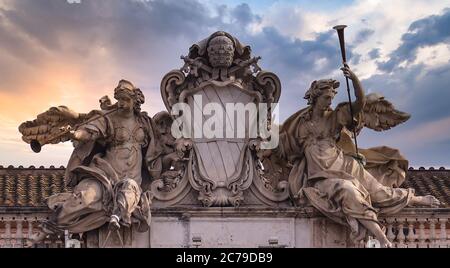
x,y
340,32
36,146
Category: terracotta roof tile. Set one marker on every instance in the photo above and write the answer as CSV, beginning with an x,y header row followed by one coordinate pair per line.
x,y
432,181
29,187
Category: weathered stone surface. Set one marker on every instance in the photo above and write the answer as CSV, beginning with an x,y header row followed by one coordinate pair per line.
x,y
220,190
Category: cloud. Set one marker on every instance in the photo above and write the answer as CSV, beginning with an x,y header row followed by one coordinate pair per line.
x,y
90,46
424,144
374,53
429,31
420,88
243,15
59,53
52,53
363,35
420,91
103,41
424,93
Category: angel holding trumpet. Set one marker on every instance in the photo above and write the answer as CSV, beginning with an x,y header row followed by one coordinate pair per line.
x,y
329,175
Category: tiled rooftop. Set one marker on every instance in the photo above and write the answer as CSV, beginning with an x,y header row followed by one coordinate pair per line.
x,y
430,181
29,187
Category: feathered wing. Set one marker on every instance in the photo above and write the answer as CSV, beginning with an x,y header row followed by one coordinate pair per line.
x,y
50,123
56,120
386,164
379,114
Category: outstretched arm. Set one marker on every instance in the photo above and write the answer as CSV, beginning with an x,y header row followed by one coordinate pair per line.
x,y
358,104
91,131
81,135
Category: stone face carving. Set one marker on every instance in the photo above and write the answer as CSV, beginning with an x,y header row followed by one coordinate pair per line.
x,y
220,70
117,151
326,172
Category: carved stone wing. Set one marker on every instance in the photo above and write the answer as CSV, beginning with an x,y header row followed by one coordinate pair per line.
x,y
380,114
50,123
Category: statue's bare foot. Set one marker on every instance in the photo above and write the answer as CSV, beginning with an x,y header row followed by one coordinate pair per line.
x,y
35,238
427,200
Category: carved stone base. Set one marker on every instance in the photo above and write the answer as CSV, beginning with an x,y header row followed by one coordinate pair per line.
x,y
244,227
129,236
253,227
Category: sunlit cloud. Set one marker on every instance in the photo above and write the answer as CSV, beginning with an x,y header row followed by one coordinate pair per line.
x,y
53,52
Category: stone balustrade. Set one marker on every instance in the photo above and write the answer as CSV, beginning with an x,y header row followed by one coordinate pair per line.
x,y
418,228
16,228
427,230
294,227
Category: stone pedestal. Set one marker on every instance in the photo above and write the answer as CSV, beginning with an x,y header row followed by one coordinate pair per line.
x,y
130,237
230,227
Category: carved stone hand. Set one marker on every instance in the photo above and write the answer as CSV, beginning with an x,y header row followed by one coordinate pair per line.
x,y
349,73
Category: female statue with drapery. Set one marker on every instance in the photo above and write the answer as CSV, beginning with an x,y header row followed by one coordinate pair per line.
x,y
117,152
349,188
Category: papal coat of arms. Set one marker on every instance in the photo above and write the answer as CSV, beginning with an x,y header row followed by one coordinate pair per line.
x,y
222,71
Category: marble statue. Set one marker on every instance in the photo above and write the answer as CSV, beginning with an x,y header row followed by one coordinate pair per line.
x,y
349,188
124,160
118,150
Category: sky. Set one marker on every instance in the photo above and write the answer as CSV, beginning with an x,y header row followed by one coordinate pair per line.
x,y
72,52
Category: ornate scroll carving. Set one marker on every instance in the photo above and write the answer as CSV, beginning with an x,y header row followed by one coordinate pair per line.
x,y
171,86
220,69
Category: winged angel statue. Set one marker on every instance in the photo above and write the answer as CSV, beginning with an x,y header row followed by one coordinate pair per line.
x,y
118,149
349,188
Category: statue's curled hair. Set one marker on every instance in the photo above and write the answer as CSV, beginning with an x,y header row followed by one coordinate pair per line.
x,y
320,87
126,87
